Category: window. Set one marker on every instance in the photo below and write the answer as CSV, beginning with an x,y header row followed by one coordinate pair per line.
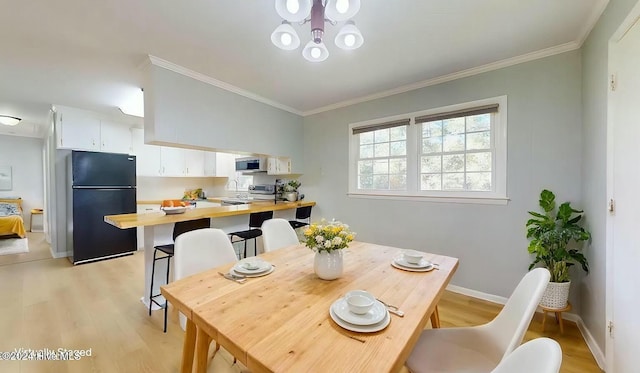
x,y
455,153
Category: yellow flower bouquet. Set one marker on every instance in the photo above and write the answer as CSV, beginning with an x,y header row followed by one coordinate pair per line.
x,y
328,236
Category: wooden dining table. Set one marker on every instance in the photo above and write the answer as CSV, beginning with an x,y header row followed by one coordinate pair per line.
x,y
280,322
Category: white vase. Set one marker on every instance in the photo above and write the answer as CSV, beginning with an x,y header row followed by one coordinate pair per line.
x,y
328,265
556,295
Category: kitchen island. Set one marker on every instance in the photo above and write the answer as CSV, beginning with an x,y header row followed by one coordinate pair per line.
x,y
219,219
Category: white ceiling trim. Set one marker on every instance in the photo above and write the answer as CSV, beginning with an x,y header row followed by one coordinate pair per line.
x,y
220,84
453,76
591,22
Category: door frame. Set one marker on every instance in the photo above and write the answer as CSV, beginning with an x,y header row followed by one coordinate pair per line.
x,y
631,20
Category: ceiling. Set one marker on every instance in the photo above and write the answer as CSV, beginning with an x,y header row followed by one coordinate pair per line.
x,y
89,54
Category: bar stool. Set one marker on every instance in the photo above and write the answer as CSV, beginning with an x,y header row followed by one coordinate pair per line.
x,y
255,223
168,251
302,213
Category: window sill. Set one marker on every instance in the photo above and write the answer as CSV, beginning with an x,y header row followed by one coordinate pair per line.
x,y
448,199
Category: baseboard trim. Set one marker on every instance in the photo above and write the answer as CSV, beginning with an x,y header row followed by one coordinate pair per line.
x,y
597,353
57,255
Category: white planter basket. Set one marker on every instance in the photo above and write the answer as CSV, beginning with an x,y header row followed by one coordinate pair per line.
x,y
556,295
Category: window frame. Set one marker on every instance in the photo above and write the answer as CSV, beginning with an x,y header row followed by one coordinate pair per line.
x,y
498,195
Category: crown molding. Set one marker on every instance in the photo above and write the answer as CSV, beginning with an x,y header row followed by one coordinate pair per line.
x,y
592,21
220,84
453,76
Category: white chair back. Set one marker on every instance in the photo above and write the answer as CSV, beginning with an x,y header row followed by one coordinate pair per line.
x,y
198,251
277,233
541,355
508,328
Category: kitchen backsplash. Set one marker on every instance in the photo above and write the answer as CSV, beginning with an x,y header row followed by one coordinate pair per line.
x,y
158,188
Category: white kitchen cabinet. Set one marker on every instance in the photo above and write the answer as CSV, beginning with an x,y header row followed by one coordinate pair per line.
x,y
147,156
115,137
210,163
172,161
226,165
77,129
193,162
278,166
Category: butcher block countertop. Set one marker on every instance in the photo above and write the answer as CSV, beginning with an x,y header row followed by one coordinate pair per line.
x,y
124,221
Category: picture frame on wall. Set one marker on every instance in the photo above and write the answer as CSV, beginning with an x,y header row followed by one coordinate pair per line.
x,y
5,178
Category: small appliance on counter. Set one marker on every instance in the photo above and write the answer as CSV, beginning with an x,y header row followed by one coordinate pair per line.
x,y
265,192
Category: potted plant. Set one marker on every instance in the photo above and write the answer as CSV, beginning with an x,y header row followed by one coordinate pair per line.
x,y
555,236
290,190
328,239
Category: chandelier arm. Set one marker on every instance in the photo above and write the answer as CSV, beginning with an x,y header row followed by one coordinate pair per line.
x,y
332,23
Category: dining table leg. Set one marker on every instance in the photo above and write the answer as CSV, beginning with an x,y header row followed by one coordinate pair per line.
x,y
435,318
188,347
202,351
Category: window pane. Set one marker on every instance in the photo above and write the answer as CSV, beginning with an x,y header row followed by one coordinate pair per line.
x,y
453,181
431,182
366,138
431,164
398,148
453,163
381,166
365,167
453,143
398,133
453,126
381,181
479,140
480,122
432,145
366,151
381,135
479,162
480,181
365,182
432,129
397,182
381,150
398,166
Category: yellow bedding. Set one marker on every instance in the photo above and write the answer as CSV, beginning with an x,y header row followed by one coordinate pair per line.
x,y
12,224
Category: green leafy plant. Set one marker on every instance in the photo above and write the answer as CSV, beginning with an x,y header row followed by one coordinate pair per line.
x,y
291,186
551,232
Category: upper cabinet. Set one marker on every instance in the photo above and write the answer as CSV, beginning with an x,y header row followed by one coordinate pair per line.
x,y
278,166
83,130
193,162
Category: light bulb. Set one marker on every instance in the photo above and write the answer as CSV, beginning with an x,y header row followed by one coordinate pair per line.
x,y
342,6
350,40
286,39
293,6
315,52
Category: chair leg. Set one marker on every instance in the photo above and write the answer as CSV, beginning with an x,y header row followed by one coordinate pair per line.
x,y
166,303
245,249
153,270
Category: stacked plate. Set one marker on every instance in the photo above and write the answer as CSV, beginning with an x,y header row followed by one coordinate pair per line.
x,y
376,319
252,267
401,263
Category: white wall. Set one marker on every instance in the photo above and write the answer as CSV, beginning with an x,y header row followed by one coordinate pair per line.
x,y
544,148
595,54
182,110
159,188
24,155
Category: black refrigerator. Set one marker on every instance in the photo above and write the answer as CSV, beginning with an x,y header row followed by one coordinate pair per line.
x,y
99,184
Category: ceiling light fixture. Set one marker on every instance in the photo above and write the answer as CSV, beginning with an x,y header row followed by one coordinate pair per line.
x,y
135,104
317,12
9,120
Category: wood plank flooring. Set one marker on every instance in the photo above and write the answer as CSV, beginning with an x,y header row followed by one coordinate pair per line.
x,y
49,303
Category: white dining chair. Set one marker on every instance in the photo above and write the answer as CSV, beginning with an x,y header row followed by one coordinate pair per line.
x,y
277,233
540,355
198,251
481,348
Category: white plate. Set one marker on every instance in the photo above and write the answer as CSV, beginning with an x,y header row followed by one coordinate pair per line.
x,y
400,260
361,328
426,269
374,316
261,266
259,274
173,210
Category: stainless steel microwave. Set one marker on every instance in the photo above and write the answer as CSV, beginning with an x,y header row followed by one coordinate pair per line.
x,y
251,164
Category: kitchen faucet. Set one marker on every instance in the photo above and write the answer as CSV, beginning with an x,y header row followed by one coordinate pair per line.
x,y
236,182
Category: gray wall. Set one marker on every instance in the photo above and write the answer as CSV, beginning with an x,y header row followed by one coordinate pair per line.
x,y
182,110
544,148
24,155
595,54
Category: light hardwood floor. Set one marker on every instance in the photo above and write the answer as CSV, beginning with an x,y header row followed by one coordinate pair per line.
x,y
49,303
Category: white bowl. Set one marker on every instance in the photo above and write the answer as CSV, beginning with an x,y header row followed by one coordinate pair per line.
x,y
413,257
173,210
359,301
